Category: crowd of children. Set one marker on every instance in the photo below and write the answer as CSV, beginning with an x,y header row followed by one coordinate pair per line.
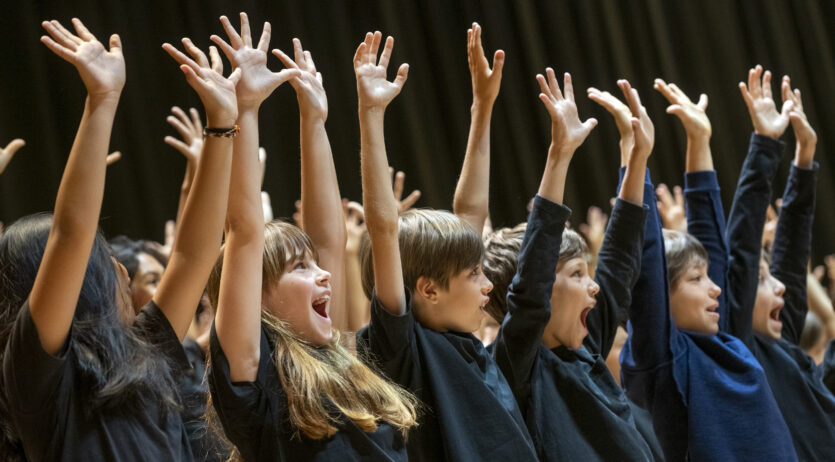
x,y
376,331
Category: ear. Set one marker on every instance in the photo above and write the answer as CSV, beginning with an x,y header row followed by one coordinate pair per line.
x,y
427,289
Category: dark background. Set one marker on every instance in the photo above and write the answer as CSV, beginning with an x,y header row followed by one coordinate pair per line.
x,y
703,46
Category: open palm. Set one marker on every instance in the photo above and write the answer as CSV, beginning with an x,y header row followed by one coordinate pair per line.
x,y
373,89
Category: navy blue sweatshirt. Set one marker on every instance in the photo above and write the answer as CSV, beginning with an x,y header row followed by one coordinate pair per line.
x,y
707,394
573,407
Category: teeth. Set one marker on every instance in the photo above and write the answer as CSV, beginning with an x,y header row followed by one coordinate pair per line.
x,y
323,299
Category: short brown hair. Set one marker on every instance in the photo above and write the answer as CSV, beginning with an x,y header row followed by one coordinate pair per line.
x,y
683,251
501,254
434,244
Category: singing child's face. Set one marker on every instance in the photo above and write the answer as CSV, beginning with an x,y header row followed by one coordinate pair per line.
x,y
146,280
768,304
572,298
694,300
459,307
302,299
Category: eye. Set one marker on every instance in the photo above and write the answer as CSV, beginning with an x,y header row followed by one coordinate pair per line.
x,y
577,274
476,271
696,278
300,265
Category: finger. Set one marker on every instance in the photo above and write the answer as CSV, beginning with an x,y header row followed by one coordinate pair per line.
x,y
391,175
195,120
770,213
665,91
358,54
778,204
702,104
64,33
65,53
57,37
82,31
13,146
498,63
568,87
246,35
298,53
288,63
746,95
787,107
262,162
767,85
311,66
402,75
785,89
675,109
224,47
664,196
375,46
184,119
196,53
235,76
178,145
185,133
819,272
478,48
589,124
543,87
112,158
193,79
234,38
387,49
267,206
217,63
410,200
397,189
632,98
264,41
552,83
678,93
170,232
679,194
756,88
179,56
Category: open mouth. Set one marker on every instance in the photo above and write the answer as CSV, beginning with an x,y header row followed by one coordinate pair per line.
x,y
583,316
320,306
775,313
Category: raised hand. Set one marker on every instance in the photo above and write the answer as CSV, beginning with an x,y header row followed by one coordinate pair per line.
x,y
692,115
671,208
594,229
567,132
373,88
101,70
191,130
642,126
8,152
770,228
313,102
215,91
398,180
757,95
804,134
486,81
354,226
257,81
622,116
113,157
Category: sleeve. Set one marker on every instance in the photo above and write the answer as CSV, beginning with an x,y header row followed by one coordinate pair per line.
x,y
30,374
706,222
529,295
649,314
152,325
792,245
392,344
618,267
744,233
828,366
243,407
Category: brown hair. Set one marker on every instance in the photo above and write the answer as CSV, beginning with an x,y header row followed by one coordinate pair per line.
x,y
314,376
683,251
434,244
501,254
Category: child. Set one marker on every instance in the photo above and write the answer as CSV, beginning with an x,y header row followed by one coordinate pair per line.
x,y
427,303
282,386
77,359
559,323
706,392
770,326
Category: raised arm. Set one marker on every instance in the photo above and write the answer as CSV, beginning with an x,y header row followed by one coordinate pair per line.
x,y
321,203
375,92
238,317
191,130
753,192
60,276
793,237
472,192
619,260
529,294
703,203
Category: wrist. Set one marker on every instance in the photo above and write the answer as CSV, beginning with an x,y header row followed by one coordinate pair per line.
x,y
481,105
220,120
371,111
804,156
110,99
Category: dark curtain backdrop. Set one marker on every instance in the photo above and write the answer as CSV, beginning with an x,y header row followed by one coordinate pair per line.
x,y
703,46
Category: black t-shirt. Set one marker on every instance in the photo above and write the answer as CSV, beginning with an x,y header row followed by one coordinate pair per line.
x,y
52,418
469,412
195,392
255,417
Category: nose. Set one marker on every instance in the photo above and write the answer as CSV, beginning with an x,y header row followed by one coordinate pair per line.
x,y
714,290
779,287
322,277
488,287
594,288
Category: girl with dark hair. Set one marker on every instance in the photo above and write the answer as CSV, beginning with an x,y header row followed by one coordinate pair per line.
x,y
282,386
76,359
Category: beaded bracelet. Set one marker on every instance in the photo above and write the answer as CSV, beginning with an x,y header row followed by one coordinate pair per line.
x,y
222,132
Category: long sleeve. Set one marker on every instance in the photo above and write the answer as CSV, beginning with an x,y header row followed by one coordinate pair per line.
x,y
792,245
706,222
745,229
618,267
529,296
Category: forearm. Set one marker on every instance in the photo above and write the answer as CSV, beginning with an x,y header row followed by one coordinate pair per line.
x,y
471,201
552,186
632,186
357,306
698,157
185,189
320,198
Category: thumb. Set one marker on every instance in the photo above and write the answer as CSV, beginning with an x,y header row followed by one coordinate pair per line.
x,y
498,62
115,43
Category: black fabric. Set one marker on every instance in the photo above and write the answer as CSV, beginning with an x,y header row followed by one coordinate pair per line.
x,y
55,423
194,392
469,411
255,417
573,407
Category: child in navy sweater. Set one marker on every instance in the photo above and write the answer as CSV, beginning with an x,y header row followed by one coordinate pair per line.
x,y
706,391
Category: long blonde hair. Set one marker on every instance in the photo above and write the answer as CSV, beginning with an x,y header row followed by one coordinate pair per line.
x,y
321,381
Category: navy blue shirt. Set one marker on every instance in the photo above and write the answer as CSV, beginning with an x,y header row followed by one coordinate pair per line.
x,y
469,412
708,395
255,418
53,419
574,408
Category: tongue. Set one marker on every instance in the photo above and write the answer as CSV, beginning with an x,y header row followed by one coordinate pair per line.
x,y
320,309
